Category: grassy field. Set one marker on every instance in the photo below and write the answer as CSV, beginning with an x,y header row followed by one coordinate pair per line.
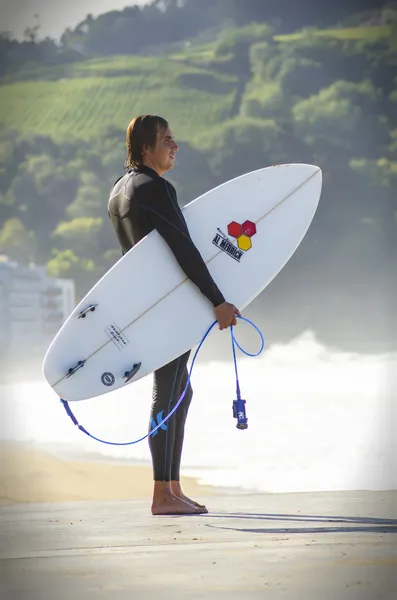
x,y
82,100
99,94
351,33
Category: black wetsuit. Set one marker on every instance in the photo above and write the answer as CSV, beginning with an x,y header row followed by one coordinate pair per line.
x,y
141,201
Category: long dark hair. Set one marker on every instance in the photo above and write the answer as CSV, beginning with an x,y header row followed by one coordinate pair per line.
x,y
142,131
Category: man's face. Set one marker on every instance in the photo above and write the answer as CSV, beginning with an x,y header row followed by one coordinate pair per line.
x,y
164,152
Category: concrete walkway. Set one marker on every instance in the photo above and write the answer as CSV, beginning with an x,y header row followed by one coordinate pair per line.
x,y
311,546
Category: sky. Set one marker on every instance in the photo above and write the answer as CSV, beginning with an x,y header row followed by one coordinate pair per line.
x,y
55,15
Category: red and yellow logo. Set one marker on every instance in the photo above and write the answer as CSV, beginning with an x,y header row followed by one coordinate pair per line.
x,y
243,234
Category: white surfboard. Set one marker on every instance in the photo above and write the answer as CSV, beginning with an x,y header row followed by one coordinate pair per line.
x,y
144,312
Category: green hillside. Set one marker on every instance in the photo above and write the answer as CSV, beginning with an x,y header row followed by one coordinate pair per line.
x,y
238,100
95,95
83,100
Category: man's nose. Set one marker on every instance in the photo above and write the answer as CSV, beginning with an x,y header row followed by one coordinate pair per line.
x,y
175,146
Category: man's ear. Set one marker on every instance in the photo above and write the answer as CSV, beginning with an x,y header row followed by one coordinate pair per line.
x,y
146,149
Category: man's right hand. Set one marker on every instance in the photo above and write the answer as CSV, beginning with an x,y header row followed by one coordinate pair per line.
x,y
225,314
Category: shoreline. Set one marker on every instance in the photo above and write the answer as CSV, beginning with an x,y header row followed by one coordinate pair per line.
x,y
41,473
32,473
17,370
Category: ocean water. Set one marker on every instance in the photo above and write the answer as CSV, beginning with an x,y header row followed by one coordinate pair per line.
x,y
318,420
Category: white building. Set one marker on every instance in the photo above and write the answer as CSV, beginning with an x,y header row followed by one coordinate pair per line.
x,y
33,307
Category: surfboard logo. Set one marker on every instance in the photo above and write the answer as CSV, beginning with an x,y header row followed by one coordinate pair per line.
x,y
117,336
159,418
108,379
243,234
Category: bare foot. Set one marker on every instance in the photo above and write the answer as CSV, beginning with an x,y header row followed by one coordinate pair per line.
x,y
174,506
165,502
193,502
177,491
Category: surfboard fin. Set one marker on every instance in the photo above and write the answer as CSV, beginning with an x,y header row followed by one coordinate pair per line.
x,y
83,313
73,370
128,375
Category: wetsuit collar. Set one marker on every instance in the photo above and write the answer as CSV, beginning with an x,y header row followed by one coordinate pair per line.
x,y
145,169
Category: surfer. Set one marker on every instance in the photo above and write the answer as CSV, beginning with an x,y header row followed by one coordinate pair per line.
x,y
140,201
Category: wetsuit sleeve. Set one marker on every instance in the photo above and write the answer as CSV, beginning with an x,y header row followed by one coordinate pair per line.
x,y
164,217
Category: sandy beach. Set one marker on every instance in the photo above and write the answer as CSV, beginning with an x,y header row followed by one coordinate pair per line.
x,y
30,475
252,546
72,529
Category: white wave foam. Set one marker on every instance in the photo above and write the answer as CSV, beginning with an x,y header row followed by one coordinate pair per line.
x,y
317,420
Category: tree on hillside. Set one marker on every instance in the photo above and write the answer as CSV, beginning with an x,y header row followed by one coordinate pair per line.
x,y
66,264
81,234
290,15
17,242
242,145
89,200
31,33
343,116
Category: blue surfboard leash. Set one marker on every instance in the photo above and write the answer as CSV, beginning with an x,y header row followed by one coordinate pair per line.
x,y
239,412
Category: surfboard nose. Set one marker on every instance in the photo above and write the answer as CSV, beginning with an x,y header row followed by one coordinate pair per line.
x,y
307,167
